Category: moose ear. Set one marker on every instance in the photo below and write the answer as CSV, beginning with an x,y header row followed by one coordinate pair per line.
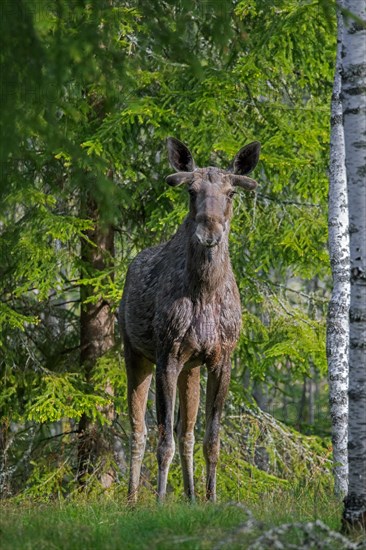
x,y
247,158
243,181
180,156
179,178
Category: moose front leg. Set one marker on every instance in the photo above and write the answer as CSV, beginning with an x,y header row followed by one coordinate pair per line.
x,y
166,385
217,388
189,398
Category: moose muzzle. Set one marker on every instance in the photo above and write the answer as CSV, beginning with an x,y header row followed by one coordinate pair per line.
x,y
209,232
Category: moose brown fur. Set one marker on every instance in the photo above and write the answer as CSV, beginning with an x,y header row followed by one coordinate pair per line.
x,y
180,310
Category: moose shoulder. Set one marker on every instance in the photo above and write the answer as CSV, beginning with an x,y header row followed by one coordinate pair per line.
x,y
181,309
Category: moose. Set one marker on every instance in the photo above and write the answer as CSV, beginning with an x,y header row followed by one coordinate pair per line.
x,y
180,310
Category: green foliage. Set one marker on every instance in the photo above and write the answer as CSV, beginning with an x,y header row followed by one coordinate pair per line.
x,y
63,397
44,485
301,341
111,368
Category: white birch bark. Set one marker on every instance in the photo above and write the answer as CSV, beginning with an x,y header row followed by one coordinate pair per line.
x,y
338,310
354,113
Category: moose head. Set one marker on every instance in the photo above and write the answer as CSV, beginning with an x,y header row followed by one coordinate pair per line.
x,y
211,189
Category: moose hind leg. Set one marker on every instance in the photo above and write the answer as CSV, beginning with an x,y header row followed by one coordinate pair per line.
x,y
139,374
217,388
189,397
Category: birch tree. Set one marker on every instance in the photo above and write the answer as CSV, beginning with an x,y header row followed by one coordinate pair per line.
x,y
338,311
354,113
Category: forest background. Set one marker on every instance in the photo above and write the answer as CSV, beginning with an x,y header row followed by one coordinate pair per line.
x,y
92,90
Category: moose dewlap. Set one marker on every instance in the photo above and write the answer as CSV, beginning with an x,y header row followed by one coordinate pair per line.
x,y
181,309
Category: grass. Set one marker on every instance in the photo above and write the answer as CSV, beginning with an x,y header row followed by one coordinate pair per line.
x,y
111,525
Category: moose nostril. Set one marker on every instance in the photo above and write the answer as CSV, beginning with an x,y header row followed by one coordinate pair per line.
x,y
212,241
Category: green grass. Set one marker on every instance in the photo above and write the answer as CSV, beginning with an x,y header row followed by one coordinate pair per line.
x,y
110,524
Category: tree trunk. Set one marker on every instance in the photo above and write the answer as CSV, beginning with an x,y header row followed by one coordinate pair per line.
x,y
260,394
96,339
311,406
5,489
338,309
302,405
354,112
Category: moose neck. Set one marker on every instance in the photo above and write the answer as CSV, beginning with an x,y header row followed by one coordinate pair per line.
x,y
206,267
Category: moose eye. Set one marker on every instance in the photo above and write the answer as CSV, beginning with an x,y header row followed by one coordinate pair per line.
x,y
231,194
